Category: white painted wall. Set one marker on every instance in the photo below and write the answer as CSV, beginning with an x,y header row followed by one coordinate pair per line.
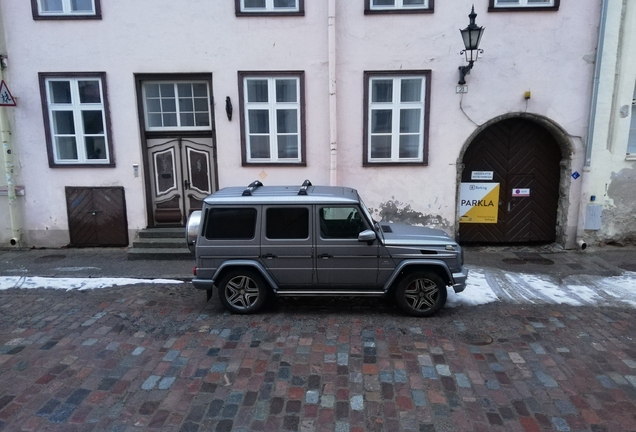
x,y
611,176
548,53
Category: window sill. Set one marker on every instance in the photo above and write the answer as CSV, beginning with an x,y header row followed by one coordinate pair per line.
x,y
631,157
66,17
393,164
270,14
82,165
524,9
398,11
278,164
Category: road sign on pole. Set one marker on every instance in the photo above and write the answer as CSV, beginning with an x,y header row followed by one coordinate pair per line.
x,y
5,96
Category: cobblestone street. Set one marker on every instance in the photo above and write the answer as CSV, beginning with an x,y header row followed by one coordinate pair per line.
x,y
159,357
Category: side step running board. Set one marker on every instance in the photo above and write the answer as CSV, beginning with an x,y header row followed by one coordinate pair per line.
x,y
330,293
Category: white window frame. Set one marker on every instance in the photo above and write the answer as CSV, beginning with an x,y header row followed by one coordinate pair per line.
x,y
395,106
272,106
77,108
523,4
269,7
177,107
399,5
631,138
66,6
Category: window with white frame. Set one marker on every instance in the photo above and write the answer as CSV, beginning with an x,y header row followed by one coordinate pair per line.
x,y
631,143
176,105
272,112
293,7
523,4
398,5
76,119
396,122
66,9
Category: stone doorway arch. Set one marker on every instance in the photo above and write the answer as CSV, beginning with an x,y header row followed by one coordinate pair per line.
x,y
523,151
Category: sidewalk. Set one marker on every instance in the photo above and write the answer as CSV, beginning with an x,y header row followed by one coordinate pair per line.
x,y
89,263
112,262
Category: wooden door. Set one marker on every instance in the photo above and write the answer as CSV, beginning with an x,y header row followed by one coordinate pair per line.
x,y
97,216
181,177
522,156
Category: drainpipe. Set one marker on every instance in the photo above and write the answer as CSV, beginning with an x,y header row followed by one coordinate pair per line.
x,y
333,124
590,128
7,151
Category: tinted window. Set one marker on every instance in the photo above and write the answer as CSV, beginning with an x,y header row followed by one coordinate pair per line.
x,y
287,223
341,223
231,224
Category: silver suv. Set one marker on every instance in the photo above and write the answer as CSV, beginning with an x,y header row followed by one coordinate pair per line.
x,y
316,241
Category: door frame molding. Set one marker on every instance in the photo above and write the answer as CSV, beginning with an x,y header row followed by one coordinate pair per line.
x,y
567,148
145,135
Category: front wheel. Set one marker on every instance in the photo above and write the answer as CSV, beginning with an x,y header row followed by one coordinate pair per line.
x,y
242,291
421,294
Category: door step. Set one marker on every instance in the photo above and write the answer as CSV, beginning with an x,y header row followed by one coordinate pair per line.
x,y
160,244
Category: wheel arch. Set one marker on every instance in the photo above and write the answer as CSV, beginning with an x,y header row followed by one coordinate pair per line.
x,y
238,264
406,267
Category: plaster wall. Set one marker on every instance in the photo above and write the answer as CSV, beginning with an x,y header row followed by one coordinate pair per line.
x,y
158,36
611,176
548,53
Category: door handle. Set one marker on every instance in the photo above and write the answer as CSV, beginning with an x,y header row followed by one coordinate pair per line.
x,y
325,256
186,183
268,256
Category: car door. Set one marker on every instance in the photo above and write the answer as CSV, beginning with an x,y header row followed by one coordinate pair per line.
x,y
287,244
342,260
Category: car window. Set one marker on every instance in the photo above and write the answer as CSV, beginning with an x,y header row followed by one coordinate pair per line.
x,y
341,222
287,223
230,224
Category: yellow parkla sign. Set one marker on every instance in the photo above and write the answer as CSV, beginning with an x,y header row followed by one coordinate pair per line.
x,y
478,202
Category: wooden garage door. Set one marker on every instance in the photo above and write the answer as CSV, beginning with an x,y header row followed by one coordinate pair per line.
x,y
522,155
97,216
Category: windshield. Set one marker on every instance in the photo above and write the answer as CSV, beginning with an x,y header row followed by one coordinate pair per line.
x,y
366,212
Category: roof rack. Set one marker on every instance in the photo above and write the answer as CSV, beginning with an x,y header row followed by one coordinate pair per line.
x,y
251,188
303,188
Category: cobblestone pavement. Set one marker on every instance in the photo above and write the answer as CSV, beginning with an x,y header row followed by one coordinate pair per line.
x,y
158,357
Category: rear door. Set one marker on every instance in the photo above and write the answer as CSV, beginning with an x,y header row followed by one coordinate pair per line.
x,y
286,246
342,260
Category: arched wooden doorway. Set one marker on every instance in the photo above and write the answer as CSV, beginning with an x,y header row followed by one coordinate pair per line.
x,y
521,155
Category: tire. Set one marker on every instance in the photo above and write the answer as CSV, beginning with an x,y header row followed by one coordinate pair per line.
x,y
421,294
242,291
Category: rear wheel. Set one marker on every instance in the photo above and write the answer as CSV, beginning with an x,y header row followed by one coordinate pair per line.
x,y
421,294
242,291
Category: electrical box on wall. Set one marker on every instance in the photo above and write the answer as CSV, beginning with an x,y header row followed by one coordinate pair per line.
x,y
593,217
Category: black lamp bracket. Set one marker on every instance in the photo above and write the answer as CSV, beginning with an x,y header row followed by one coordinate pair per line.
x,y
465,70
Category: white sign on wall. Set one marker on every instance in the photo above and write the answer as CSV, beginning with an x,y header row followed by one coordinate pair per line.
x,y
518,192
481,175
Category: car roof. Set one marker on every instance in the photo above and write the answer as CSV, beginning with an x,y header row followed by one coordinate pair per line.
x,y
257,193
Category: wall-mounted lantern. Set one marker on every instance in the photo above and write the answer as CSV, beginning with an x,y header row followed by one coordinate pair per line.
x,y
471,36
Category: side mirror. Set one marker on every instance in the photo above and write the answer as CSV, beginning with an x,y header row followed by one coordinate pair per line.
x,y
367,236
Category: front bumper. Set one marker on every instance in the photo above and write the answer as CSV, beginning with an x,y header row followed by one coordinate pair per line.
x,y
460,280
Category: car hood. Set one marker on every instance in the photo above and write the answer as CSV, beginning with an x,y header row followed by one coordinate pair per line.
x,y
397,234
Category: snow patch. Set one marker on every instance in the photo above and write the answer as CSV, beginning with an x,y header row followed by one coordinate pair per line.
x,y
477,292
7,282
